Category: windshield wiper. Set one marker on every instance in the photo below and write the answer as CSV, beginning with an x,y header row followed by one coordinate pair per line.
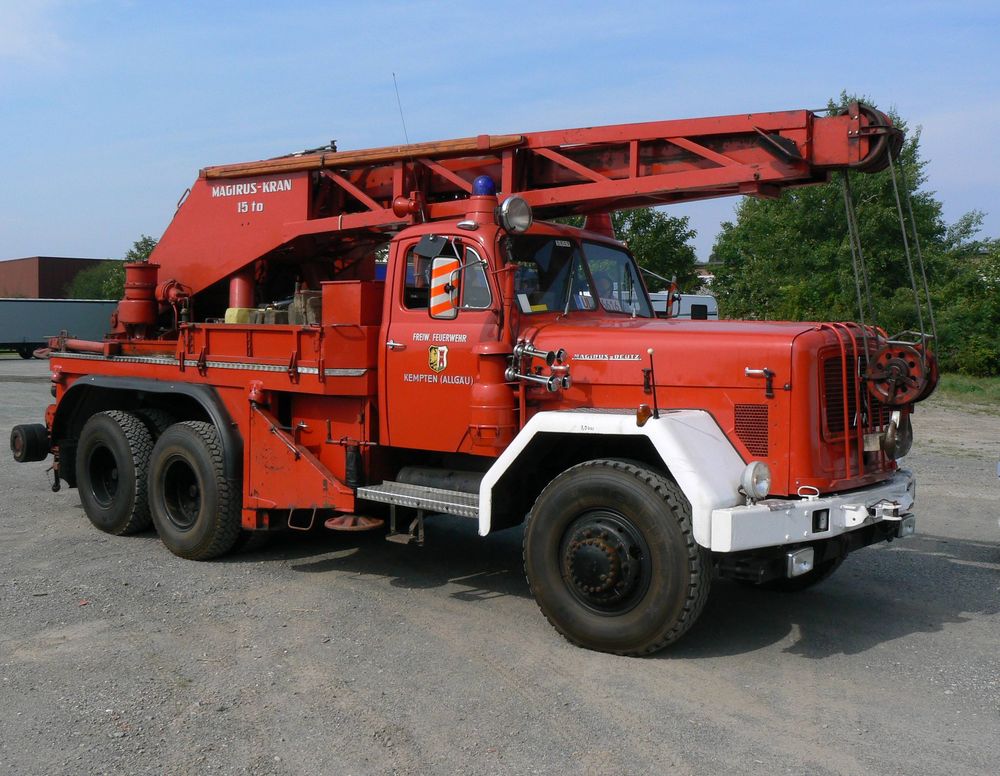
x,y
569,283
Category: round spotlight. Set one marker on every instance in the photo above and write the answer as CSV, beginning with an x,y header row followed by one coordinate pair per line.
x,y
515,214
756,480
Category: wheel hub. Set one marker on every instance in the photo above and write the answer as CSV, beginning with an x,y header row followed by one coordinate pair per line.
x,y
181,494
103,476
605,562
595,564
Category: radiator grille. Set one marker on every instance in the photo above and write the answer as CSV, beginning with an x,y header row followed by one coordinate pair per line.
x,y
833,395
751,427
833,400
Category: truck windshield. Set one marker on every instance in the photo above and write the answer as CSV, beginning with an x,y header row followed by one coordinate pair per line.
x,y
616,280
553,275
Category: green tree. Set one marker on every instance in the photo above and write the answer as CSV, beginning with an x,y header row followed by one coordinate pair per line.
x,y
790,259
660,243
89,283
107,280
968,302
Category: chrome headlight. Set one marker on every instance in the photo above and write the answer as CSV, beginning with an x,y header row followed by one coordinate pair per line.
x,y
515,214
756,480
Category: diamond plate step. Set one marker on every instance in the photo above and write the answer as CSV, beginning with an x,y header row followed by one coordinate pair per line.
x,y
401,494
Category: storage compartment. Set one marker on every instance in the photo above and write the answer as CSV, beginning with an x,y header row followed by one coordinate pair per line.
x,y
353,301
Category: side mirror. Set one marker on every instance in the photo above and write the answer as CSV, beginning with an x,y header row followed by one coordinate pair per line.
x,y
444,287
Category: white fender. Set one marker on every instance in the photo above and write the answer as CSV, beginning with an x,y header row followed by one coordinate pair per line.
x,y
700,458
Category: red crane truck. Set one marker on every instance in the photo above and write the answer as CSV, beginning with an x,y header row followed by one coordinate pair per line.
x,y
260,375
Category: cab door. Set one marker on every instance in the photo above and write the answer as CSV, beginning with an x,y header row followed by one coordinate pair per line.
x,y
428,364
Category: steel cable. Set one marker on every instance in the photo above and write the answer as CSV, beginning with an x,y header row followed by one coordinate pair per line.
x,y
857,263
920,255
857,256
909,262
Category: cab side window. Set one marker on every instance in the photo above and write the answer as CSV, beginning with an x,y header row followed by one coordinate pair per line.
x,y
416,289
476,294
475,288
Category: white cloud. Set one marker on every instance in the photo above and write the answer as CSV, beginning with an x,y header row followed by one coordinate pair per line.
x,y
29,30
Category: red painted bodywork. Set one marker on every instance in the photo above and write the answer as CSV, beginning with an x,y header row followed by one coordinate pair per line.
x,y
301,395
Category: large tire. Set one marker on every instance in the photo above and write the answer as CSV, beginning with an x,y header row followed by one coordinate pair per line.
x,y
156,420
112,461
611,559
29,442
196,509
26,352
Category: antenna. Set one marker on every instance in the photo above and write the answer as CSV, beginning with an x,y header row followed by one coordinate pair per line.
x,y
652,382
658,277
400,104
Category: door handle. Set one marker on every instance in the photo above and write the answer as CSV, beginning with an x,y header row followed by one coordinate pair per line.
x,y
768,376
393,345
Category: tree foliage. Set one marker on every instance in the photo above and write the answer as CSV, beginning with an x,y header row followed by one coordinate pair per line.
x,y
107,280
968,307
659,242
89,283
790,259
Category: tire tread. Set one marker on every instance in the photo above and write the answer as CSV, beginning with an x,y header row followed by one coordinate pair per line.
x,y
140,444
226,527
156,420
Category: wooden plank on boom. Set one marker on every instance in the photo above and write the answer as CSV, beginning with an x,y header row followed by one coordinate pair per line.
x,y
319,161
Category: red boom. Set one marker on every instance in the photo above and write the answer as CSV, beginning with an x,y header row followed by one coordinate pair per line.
x,y
331,201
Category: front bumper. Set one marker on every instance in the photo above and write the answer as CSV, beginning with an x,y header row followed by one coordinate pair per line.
x,y
776,522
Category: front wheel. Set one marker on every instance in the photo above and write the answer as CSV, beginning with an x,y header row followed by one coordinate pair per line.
x,y
611,559
195,507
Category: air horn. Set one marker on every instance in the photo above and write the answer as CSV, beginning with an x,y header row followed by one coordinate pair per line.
x,y
526,349
552,383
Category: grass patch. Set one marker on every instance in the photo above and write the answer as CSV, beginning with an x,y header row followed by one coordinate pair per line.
x,y
962,389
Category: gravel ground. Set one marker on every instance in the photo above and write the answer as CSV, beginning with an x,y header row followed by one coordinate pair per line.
x,y
346,654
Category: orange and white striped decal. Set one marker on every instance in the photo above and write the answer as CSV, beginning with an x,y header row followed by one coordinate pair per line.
x,y
441,304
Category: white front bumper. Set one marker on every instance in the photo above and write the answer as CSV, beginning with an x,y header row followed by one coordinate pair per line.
x,y
774,522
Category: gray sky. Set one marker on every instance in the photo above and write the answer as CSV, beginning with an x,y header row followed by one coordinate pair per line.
x,y
109,108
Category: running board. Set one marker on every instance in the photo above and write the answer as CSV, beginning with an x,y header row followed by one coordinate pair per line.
x,y
401,494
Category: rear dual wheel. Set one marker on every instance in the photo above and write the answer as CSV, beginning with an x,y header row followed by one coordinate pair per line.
x,y
156,420
112,462
195,506
179,484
